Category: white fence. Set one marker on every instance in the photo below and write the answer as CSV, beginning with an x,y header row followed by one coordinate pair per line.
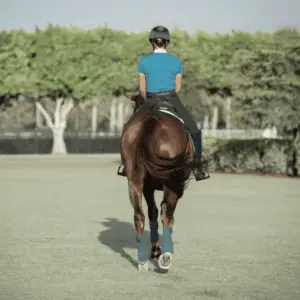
x,y
239,133
212,133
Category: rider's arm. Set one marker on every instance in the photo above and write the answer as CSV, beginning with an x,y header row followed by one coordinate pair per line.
x,y
178,78
142,85
178,81
142,79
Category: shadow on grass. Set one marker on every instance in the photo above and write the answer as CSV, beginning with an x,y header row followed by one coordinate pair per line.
x,y
119,235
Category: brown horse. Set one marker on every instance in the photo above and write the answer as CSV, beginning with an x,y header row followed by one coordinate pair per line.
x,y
158,154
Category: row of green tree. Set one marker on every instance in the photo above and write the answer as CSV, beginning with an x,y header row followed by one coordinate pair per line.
x,y
259,73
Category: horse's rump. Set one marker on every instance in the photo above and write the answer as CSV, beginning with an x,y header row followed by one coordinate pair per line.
x,y
160,146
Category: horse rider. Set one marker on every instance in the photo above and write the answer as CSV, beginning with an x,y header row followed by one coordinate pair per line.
x,y
160,77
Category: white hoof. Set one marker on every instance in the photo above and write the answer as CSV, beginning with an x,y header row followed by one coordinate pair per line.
x,y
143,266
165,260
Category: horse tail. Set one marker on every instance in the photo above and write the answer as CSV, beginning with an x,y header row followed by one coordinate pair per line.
x,y
158,167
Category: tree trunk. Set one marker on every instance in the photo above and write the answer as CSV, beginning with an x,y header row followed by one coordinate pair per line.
x,y
228,113
112,117
228,116
94,118
38,118
58,123
206,123
120,116
59,145
77,119
215,117
128,111
214,121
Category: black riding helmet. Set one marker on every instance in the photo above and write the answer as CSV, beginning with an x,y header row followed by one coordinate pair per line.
x,y
159,35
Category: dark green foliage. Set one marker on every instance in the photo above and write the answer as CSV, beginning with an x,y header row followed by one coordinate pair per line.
x,y
266,83
260,72
254,155
80,63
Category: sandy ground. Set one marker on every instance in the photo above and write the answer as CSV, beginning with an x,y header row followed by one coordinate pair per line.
x,y
66,232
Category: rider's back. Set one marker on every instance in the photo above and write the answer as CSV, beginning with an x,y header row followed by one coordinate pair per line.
x,y
160,70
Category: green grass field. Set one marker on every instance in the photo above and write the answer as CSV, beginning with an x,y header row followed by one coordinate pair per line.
x,y
66,232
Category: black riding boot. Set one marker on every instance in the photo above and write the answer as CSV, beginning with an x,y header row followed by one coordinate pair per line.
x,y
199,172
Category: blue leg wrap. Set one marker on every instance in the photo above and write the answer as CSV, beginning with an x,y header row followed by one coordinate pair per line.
x,y
167,240
143,254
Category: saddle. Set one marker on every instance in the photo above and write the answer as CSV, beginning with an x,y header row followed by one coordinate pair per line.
x,y
166,107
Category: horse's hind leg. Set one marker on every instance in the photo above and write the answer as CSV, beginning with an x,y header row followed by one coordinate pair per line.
x,y
135,194
168,206
153,222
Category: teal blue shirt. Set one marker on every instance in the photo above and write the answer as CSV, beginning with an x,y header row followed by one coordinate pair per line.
x,y
160,69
